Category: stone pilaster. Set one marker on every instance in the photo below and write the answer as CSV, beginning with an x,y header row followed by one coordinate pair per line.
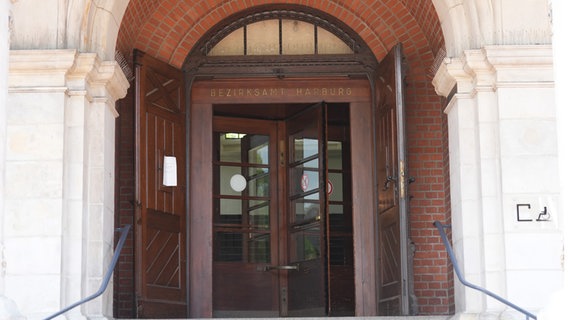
x,y
502,154
94,86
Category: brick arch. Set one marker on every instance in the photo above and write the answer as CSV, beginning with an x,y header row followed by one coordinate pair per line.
x,y
169,29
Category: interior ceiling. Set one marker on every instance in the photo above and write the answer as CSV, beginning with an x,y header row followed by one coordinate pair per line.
x,y
170,29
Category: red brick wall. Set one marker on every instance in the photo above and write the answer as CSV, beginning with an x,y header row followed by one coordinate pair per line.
x,y
427,149
123,306
169,29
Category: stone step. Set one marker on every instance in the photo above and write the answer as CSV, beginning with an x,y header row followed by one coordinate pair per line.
x,y
446,317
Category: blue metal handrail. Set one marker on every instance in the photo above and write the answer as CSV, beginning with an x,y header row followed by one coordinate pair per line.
x,y
123,233
450,251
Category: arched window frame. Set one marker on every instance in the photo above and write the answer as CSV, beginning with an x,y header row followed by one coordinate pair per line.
x,y
361,62
314,41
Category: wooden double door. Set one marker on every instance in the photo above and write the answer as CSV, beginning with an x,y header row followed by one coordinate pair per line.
x,y
282,222
305,236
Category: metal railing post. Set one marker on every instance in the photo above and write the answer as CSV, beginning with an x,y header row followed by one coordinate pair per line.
x,y
123,233
460,276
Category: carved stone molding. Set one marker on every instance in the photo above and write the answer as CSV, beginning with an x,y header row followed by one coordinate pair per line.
x,y
102,81
495,66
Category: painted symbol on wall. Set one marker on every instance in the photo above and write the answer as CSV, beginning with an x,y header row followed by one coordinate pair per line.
x,y
543,215
524,214
305,182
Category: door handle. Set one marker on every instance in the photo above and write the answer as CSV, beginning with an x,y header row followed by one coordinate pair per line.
x,y
284,267
387,181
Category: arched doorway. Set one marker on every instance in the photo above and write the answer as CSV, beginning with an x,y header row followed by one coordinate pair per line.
x,y
284,70
268,243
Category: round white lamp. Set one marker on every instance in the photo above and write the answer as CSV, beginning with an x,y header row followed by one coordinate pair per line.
x,y
238,182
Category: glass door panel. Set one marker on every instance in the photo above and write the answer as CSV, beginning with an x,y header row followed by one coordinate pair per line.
x,y
245,230
307,206
341,287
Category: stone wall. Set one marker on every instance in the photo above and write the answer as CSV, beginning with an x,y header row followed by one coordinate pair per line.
x,y
59,207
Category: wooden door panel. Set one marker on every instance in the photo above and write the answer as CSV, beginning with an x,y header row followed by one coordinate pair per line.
x,y
160,261
392,198
387,153
341,290
244,288
390,276
163,274
164,138
306,293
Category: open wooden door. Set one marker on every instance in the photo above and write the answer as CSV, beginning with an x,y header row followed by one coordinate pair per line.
x,y
160,256
392,186
307,207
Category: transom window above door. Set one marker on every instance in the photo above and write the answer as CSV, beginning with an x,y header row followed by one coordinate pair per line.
x,y
280,37
280,40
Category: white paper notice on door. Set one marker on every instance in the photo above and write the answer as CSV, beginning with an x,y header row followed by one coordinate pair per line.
x,y
170,171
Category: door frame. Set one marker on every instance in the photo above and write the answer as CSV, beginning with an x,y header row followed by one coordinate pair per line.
x,y
285,297
202,96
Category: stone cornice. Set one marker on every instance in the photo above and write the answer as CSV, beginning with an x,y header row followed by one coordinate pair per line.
x,y
495,66
523,64
520,55
29,69
67,71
